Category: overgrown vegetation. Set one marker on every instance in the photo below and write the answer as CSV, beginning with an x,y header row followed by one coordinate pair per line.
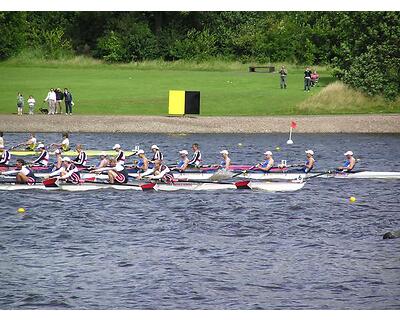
x,y
362,47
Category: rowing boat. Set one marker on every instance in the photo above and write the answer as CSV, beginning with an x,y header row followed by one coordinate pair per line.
x,y
71,153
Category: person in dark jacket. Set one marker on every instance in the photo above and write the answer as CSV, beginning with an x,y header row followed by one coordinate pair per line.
x,y
59,98
307,79
68,102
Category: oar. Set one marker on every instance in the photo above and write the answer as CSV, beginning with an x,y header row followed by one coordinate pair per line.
x,y
318,175
244,171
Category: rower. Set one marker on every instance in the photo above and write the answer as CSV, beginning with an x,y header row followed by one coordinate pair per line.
x,y
161,172
58,163
104,162
68,171
309,162
30,143
1,139
24,174
117,174
143,164
64,146
157,155
268,163
183,161
43,158
226,162
120,158
5,156
81,159
196,158
349,164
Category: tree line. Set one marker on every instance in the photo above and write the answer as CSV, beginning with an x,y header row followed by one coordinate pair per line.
x,y
362,47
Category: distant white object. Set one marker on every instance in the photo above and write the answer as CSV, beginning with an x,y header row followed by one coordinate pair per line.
x,y
290,141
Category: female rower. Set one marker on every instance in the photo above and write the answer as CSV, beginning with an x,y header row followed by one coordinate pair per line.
x,y
81,159
121,156
160,171
24,174
58,163
30,144
143,164
104,162
64,146
349,164
196,159
5,156
310,161
268,163
183,161
68,171
226,162
117,174
157,155
43,158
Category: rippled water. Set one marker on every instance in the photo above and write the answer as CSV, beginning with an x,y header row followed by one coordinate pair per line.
x,y
111,249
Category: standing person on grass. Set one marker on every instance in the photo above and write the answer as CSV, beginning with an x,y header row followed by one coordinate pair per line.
x,y
59,98
68,102
307,79
283,75
51,100
20,103
31,103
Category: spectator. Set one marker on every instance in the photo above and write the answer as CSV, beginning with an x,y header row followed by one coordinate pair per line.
x,y
51,99
31,103
20,103
59,98
307,79
68,102
314,78
283,73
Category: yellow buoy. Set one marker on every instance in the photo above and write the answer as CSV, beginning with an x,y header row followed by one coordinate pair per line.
x,y
21,210
239,144
352,199
277,148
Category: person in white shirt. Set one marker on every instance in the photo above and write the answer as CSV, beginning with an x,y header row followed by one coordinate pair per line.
x,y
31,103
51,100
24,175
68,172
4,156
1,139
64,145
44,157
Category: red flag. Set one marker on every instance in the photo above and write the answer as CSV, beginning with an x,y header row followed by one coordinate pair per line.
x,y
293,125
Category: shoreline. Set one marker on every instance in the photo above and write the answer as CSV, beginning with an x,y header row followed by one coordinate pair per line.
x,y
374,123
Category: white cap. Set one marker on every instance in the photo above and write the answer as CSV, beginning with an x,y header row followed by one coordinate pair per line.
x,y
349,153
67,159
184,152
40,145
116,146
140,151
154,146
1,146
268,153
224,152
310,152
103,153
57,151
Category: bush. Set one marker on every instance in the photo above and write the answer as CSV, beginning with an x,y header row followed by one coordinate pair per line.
x,y
111,48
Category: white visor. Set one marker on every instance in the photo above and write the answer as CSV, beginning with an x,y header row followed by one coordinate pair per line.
x,y
140,151
349,153
310,152
224,152
116,146
40,145
57,151
183,152
268,153
154,146
67,159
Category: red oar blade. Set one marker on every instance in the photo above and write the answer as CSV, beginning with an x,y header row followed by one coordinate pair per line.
x,y
148,186
50,182
242,184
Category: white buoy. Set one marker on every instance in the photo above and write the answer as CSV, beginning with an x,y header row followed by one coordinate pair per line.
x,y
290,141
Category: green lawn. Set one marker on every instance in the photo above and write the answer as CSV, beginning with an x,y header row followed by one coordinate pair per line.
x,y
105,89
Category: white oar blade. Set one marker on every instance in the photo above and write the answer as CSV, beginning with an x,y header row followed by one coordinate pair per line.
x,y
221,175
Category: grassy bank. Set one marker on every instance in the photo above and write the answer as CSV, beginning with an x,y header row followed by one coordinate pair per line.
x,y
227,88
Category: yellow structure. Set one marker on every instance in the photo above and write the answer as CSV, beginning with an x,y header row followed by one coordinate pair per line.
x,y
176,104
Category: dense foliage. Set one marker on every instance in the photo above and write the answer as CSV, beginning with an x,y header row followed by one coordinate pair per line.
x,y
363,47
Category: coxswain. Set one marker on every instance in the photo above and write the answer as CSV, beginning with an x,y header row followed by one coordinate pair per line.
x,y
5,156
268,163
160,172
81,159
24,175
226,161
349,164
117,174
64,146
43,159
68,171
143,164
157,155
196,158
308,166
183,161
120,156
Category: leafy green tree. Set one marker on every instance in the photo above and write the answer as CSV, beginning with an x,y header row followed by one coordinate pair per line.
x,y
13,27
